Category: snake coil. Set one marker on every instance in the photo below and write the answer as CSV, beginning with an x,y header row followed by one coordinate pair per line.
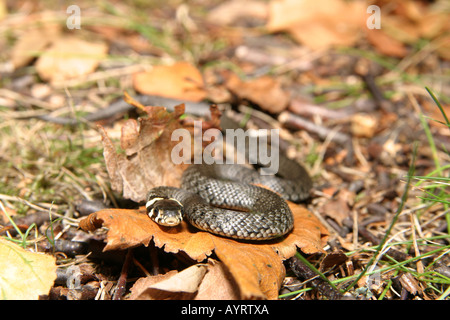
x,y
206,190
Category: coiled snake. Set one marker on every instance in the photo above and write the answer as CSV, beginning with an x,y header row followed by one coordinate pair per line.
x,y
207,189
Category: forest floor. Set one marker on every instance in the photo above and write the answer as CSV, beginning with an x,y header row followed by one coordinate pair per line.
x,y
363,109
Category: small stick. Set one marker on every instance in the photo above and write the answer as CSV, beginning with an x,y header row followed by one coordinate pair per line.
x,y
122,282
288,118
307,109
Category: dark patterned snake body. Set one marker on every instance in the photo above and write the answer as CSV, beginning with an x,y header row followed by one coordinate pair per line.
x,y
206,190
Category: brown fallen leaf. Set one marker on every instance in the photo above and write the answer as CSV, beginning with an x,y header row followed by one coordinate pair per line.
x,y
32,43
385,44
264,91
256,267
180,81
172,285
318,24
443,47
209,281
146,161
406,24
68,58
433,24
217,284
337,209
230,12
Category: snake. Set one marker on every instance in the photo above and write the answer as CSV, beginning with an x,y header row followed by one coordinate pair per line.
x,y
222,199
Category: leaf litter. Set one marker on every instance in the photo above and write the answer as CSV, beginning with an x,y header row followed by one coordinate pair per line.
x,y
370,169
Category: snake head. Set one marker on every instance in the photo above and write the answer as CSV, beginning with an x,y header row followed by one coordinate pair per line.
x,y
165,212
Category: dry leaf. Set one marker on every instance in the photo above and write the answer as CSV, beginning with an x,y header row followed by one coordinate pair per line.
x,y
265,91
337,209
143,288
217,284
141,291
332,260
433,24
209,281
70,57
32,43
318,24
180,81
410,283
444,47
187,280
230,12
256,267
146,163
385,44
24,275
364,125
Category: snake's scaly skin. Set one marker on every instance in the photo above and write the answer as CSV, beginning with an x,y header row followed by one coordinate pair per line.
x,y
206,189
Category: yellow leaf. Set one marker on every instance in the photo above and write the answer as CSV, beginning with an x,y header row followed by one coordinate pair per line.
x,y
24,275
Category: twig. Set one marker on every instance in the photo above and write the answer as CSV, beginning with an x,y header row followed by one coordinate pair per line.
x,y
373,88
289,119
122,282
25,100
299,107
154,258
